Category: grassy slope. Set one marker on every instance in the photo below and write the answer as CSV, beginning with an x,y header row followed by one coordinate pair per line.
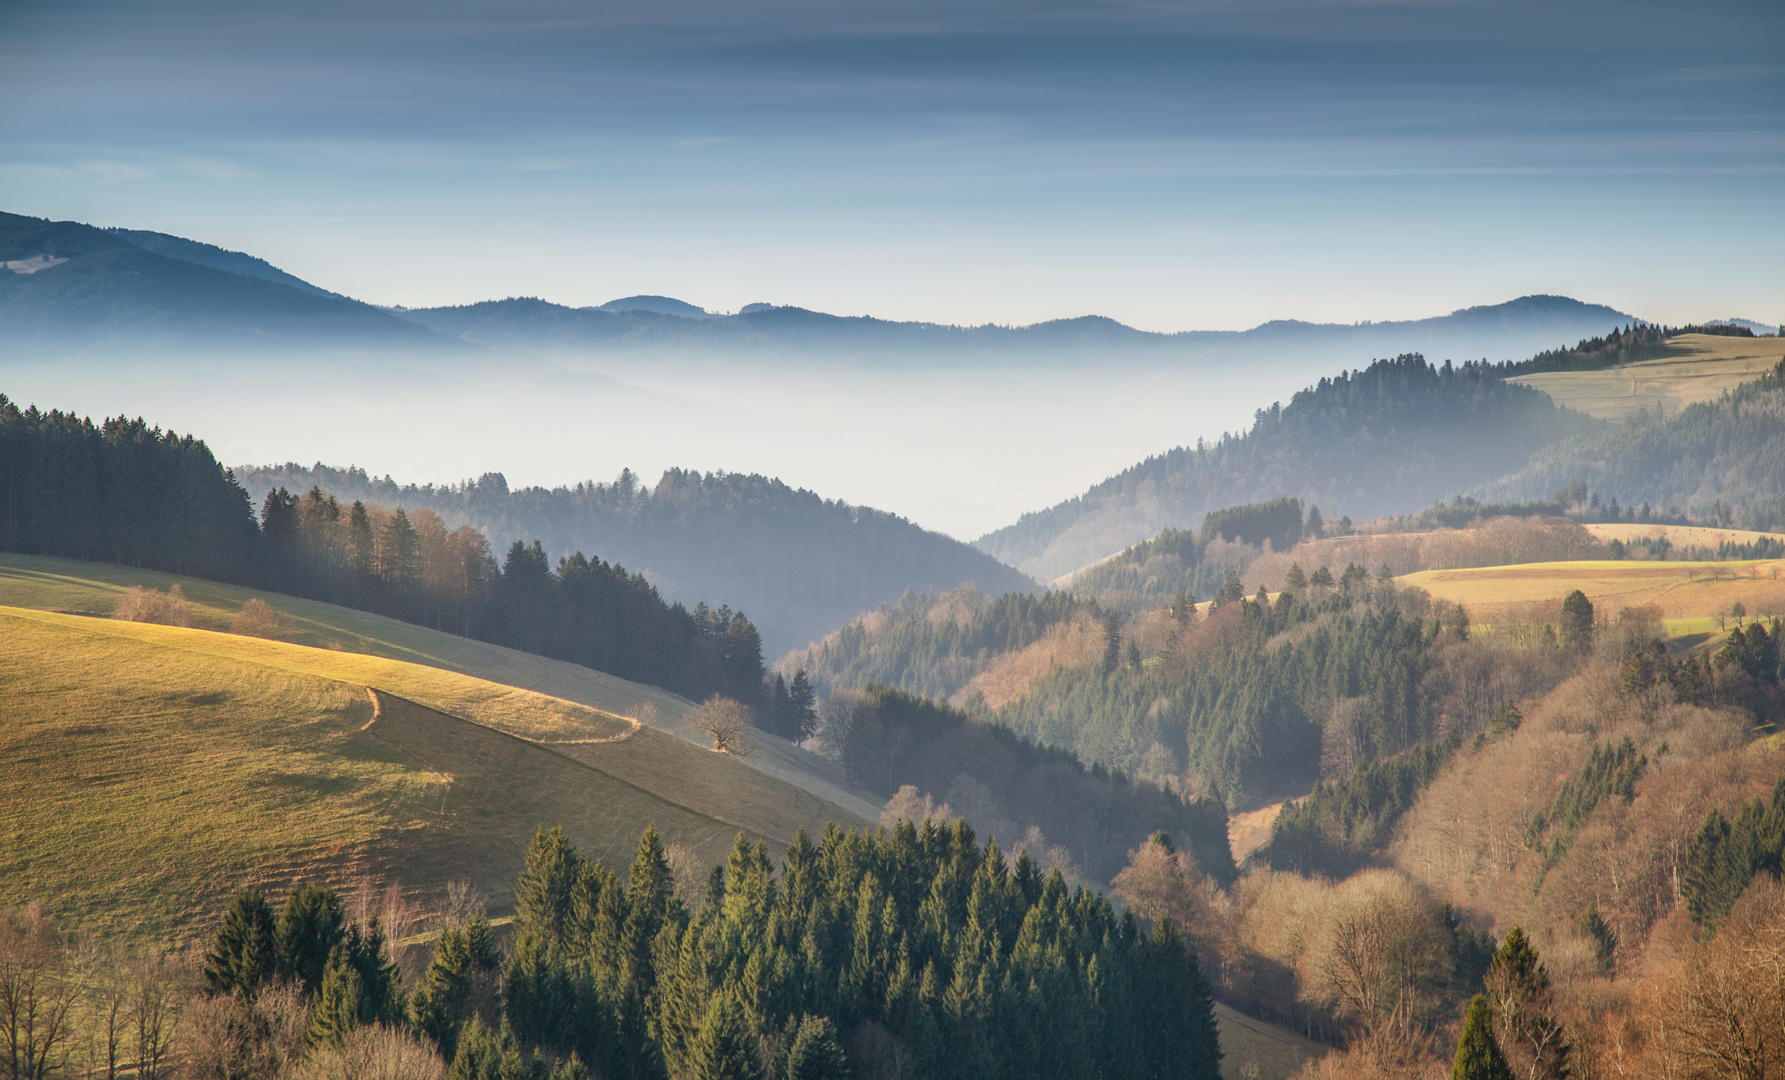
x,y
1702,367
1690,594
150,770
94,588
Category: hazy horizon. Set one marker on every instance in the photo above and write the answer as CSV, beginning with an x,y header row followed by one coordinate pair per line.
x,y
1187,166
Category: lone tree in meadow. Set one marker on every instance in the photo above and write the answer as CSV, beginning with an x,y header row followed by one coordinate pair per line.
x,y
728,723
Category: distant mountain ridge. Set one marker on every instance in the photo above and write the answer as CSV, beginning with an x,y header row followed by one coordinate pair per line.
x,y
134,288
74,288
1512,330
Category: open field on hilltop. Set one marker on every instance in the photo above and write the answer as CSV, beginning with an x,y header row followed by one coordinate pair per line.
x,y
68,585
1704,365
1685,592
148,771
1679,535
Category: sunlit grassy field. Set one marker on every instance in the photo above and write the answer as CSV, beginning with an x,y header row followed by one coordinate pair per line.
x,y
148,771
68,585
1702,367
1682,590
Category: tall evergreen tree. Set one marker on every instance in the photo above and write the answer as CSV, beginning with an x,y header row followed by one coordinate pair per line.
x,y
1576,630
460,983
815,1053
310,925
722,1051
1525,1023
1478,1056
245,952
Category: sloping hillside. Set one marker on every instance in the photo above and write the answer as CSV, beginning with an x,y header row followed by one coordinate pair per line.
x,y
1388,439
359,645
97,285
153,769
1693,368
798,564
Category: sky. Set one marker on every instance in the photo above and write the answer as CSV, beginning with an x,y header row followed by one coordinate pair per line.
x,y
1177,165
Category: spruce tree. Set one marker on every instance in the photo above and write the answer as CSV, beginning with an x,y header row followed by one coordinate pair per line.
x,y
338,1002
816,1053
245,952
722,1050
460,981
1478,1056
543,895
800,701
1523,1006
1577,622
310,925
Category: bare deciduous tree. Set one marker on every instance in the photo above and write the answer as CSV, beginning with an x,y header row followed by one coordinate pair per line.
x,y
728,723
35,997
1722,1015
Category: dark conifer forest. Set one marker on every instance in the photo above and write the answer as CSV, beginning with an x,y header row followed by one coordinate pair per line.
x,y
800,564
917,950
129,493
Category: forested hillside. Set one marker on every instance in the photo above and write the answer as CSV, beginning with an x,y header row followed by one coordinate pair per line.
x,y
1392,437
96,285
1239,703
125,492
800,564
1720,461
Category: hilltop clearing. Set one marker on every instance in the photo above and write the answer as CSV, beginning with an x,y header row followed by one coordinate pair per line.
x,y
1718,461
1693,597
1696,368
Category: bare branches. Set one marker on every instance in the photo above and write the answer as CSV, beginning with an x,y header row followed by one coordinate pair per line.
x,y
730,725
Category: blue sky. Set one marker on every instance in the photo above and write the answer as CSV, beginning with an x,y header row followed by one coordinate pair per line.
x,y
1175,165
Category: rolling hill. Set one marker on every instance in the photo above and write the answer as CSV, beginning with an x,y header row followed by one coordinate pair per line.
x,y
1390,438
198,759
87,287
798,564
658,324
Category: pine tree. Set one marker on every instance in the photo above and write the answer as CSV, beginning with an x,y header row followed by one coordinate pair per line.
x,y
801,702
1478,1056
722,1050
1296,582
816,1053
310,925
245,952
1576,630
460,981
543,895
1525,1025
337,1008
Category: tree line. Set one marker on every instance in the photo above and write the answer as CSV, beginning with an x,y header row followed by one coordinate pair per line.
x,y
916,949
888,739
128,493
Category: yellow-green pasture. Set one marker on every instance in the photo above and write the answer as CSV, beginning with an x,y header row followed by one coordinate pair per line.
x,y
1700,368
1687,593
68,585
146,772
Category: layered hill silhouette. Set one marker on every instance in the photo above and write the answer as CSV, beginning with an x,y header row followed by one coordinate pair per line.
x,y
798,564
1388,439
1510,330
72,287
